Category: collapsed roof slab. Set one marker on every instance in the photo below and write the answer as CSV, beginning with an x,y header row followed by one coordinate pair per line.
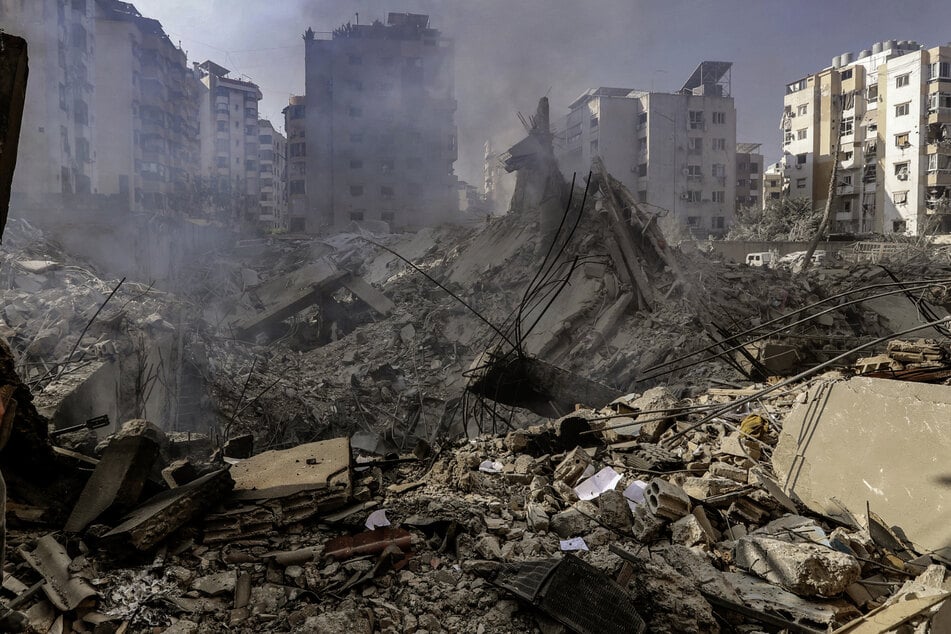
x,y
287,295
878,444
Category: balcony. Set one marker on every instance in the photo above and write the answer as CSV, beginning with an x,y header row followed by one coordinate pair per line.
x,y
845,190
939,115
939,177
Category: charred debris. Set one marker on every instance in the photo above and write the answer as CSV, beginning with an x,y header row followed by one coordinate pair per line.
x,y
554,422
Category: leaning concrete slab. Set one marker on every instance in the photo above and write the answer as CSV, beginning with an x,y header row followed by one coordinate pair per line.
x,y
878,442
370,296
162,515
323,466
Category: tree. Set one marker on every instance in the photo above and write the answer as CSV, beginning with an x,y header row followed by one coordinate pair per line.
x,y
780,219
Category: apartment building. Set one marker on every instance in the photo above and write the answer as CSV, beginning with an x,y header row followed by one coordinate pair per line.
x,y
229,143
380,129
147,98
272,159
674,151
55,155
749,175
295,126
885,115
774,183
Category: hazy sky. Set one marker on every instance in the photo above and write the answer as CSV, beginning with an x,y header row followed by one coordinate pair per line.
x,y
511,52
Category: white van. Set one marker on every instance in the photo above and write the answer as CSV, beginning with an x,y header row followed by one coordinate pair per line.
x,y
762,258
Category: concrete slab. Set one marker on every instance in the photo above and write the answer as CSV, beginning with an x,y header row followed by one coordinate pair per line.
x,y
368,294
321,466
878,442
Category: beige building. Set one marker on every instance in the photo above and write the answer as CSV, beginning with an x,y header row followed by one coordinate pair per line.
x,y
229,144
272,158
56,156
774,183
887,110
749,175
149,152
674,151
380,129
294,125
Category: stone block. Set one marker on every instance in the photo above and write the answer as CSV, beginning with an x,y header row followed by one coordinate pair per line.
x,y
803,569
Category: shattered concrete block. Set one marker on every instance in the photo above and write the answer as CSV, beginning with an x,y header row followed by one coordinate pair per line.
x,y
804,569
614,510
240,446
569,523
646,526
168,511
488,547
666,500
687,531
215,585
179,472
536,517
747,510
736,445
708,487
574,464
726,470
118,479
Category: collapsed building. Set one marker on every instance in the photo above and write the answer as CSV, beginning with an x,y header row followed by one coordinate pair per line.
x,y
558,421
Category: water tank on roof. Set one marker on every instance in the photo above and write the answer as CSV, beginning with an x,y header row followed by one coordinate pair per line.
x,y
836,61
846,58
890,44
864,53
877,48
903,44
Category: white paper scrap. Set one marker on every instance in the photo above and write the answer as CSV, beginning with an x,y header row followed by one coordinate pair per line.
x,y
635,492
490,466
604,480
575,543
377,519
587,473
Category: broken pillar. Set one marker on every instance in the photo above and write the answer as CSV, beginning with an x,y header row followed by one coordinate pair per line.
x,y
873,444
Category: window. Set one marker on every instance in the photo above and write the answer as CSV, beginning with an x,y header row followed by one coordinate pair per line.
x,y
695,145
642,170
221,161
940,70
899,226
386,191
642,196
692,196
250,130
251,166
754,168
900,198
939,100
872,92
719,118
846,180
718,197
692,170
754,184
693,221
222,126
298,149
902,80
787,137
846,126
695,117
297,188
802,109
800,183
901,140
641,120
901,171
593,124
801,133
719,169
719,222
902,109
356,190
932,162
719,144
845,74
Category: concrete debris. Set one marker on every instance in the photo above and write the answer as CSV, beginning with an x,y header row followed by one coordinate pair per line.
x,y
562,455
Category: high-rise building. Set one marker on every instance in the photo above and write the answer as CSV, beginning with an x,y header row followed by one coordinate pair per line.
x,y
229,143
55,154
749,175
885,115
380,130
294,125
674,151
272,157
147,98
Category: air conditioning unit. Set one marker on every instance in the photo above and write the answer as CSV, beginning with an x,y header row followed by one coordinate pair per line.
x,y
902,176
685,196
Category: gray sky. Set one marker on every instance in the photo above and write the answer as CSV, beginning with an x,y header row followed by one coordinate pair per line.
x,y
511,52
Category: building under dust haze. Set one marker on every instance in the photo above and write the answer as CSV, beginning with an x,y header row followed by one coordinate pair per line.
x,y
380,129
674,151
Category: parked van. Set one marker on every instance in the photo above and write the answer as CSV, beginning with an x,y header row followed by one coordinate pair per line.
x,y
762,258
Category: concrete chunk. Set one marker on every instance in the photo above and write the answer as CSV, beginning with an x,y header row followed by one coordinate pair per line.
x,y
804,569
878,442
666,500
117,481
